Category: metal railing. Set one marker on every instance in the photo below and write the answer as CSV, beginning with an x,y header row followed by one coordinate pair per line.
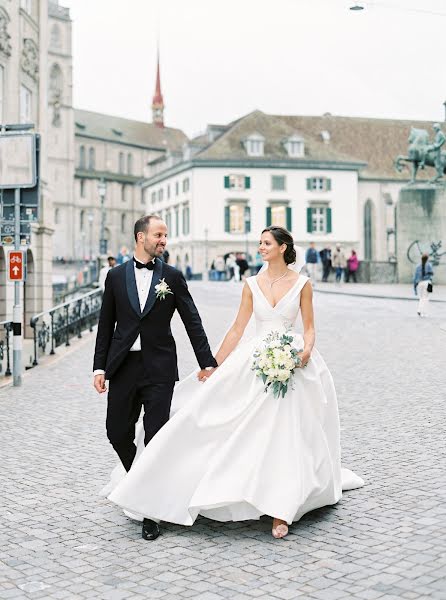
x,y
57,326
5,347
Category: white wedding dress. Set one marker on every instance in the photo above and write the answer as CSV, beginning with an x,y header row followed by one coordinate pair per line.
x,y
232,452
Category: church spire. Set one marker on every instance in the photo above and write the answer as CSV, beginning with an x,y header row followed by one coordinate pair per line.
x,y
158,102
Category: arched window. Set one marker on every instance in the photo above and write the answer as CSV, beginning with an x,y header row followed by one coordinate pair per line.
x,y
129,164
121,162
55,37
368,230
91,159
82,157
55,81
123,223
82,220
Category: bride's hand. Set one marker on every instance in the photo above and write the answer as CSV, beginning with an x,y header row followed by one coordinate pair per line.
x,y
205,374
304,357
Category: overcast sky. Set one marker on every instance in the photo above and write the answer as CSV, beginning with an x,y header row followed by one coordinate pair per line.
x,y
222,59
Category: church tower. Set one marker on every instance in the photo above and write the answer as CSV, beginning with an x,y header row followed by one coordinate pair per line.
x,y
158,102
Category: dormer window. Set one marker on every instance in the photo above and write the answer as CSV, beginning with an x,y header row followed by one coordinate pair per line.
x,y
325,135
254,144
295,146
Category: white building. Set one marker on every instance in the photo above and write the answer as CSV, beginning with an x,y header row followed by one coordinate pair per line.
x,y
327,179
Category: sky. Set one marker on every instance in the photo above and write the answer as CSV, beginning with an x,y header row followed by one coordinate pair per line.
x,y
223,59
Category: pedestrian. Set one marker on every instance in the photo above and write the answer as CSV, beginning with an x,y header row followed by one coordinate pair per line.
x,y
339,263
352,267
189,274
259,262
325,256
165,256
231,267
242,264
111,262
220,268
422,283
311,260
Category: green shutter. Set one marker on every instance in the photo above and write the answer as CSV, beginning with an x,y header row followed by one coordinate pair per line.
x,y
227,220
247,183
328,220
309,220
309,183
289,222
328,184
268,216
227,182
247,219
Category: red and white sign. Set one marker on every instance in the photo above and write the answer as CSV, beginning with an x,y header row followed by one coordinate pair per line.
x,y
16,267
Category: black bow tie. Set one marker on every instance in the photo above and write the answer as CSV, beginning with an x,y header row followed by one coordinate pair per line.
x,y
139,265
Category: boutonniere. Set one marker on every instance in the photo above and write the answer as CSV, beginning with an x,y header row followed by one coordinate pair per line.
x,y
162,289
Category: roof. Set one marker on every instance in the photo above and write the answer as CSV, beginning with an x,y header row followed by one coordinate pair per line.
x,y
376,142
126,131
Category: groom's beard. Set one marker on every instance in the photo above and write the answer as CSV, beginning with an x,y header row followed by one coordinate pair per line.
x,y
155,250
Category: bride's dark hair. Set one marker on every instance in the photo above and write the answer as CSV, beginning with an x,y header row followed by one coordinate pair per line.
x,y
283,236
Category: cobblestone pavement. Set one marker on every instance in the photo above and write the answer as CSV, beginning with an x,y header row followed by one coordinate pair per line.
x,y
60,540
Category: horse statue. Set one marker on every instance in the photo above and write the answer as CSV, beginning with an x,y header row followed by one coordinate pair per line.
x,y
422,153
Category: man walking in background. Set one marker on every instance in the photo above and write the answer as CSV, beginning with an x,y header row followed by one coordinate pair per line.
x,y
325,256
339,262
311,260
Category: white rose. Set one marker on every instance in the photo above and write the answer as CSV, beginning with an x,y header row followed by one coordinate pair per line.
x,y
284,375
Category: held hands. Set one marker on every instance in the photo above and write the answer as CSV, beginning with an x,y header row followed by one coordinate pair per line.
x,y
205,374
99,384
304,357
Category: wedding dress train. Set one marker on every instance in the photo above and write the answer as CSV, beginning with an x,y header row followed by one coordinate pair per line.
x,y
232,452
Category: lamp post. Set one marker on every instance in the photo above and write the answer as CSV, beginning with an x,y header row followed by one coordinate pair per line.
x,y
102,188
247,219
206,260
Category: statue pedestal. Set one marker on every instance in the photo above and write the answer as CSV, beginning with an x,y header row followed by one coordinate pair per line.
x,y
420,221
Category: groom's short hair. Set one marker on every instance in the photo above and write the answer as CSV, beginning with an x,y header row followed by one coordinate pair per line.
x,y
143,223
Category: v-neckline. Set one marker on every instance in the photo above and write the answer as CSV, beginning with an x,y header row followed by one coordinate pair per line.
x,y
284,296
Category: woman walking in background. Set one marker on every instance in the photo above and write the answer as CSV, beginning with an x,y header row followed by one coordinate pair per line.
x,y
352,267
422,283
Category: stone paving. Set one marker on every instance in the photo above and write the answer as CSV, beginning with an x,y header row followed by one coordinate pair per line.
x,y
60,540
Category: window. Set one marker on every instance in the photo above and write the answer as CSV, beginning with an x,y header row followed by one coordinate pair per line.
x,y
56,216
278,182
237,182
254,145
121,162
237,218
169,222
82,157
153,197
129,164
177,221
123,223
177,188
2,91
82,220
160,195
186,185
82,188
25,105
279,214
123,193
91,159
318,219
186,220
319,183
55,39
168,192
294,146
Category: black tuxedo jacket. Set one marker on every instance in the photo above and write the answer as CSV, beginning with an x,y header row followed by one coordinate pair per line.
x,y
121,321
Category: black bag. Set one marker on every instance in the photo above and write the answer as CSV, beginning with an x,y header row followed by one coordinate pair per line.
x,y
430,287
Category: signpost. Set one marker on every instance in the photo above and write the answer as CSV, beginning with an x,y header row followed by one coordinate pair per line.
x,y
19,190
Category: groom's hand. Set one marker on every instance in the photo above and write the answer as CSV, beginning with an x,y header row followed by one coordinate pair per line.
x,y
99,384
205,374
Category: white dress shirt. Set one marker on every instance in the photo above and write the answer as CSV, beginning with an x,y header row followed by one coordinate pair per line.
x,y
143,279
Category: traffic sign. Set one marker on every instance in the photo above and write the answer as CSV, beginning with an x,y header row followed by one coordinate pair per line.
x,y
28,214
16,270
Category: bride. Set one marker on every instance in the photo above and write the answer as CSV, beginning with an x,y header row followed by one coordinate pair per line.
x,y
232,451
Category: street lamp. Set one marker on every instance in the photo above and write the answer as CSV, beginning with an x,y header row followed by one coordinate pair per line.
x,y
90,235
102,188
247,219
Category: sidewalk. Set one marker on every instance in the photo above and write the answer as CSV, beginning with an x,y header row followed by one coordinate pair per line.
x,y
394,291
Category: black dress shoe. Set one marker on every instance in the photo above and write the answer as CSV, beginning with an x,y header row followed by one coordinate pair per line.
x,y
150,529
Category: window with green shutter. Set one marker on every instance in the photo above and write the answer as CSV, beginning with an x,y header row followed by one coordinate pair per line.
x,y
328,220
247,183
309,220
227,219
268,216
247,216
328,184
226,178
289,222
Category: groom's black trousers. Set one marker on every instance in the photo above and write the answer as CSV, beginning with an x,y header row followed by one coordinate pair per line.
x,y
130,389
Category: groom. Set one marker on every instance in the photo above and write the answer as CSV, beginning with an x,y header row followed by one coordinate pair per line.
x,y
135,349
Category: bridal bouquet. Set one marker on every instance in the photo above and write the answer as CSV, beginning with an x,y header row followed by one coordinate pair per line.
x,y
275,361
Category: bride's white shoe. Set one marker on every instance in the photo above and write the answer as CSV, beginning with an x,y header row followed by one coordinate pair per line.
x,y
280,531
